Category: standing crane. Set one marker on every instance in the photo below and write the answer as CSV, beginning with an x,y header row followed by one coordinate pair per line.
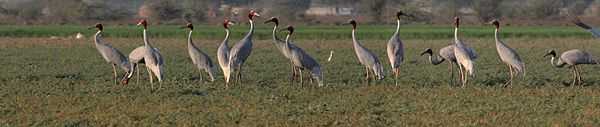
x,y
223,51
137,57
241,50
111,55
463,56
446,53
281,46
150,56
366,57
301,60
199,58
395,49
508,55
588,28
572,58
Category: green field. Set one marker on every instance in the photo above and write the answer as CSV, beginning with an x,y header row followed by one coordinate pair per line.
x,y
65,82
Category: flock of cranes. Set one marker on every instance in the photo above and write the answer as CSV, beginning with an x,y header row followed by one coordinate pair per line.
x,y
231,60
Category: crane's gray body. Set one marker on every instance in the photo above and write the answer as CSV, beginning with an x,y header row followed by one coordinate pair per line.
x,y
111,55
509,55
239,53
304,61
200,59
395,49
447,53
574,57
223,54
366,57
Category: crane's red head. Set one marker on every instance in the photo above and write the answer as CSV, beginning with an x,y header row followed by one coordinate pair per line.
x,y
456,22
274,20
143,23
353,23
97,26
496,23
227,23
252,14
189,25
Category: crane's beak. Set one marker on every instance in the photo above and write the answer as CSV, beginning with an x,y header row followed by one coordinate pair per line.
x,y
91,27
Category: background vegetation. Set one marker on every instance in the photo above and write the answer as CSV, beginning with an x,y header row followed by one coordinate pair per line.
x,y
526,12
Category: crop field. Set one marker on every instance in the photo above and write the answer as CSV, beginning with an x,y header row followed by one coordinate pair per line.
x,y
65,82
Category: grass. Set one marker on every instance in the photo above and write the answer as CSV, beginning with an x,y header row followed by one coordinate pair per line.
x,y
378,32
66,83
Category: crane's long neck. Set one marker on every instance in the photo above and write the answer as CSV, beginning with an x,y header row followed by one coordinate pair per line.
x,y
397,26
435,61
97,37
226,36
558,63
275,34
287,41
354,40
497,35
456,34
189,40
146,43
251,28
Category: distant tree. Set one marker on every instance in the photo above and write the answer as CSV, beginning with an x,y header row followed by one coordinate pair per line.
x,y
543,8
63,11
487,9
373,8
162,10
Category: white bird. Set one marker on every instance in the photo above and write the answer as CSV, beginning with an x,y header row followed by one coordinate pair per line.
x,y
110,54
446,53
199,58
241,50
508,55
223,51
572,58
463,56
366,57
302,60
395,49
588,28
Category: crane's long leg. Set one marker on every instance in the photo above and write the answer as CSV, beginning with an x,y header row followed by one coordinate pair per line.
x,y
150,76
301,79
396,74
137,70
579,78
240,74
462,75
574,76
451,73
114,73
510,73
367,73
